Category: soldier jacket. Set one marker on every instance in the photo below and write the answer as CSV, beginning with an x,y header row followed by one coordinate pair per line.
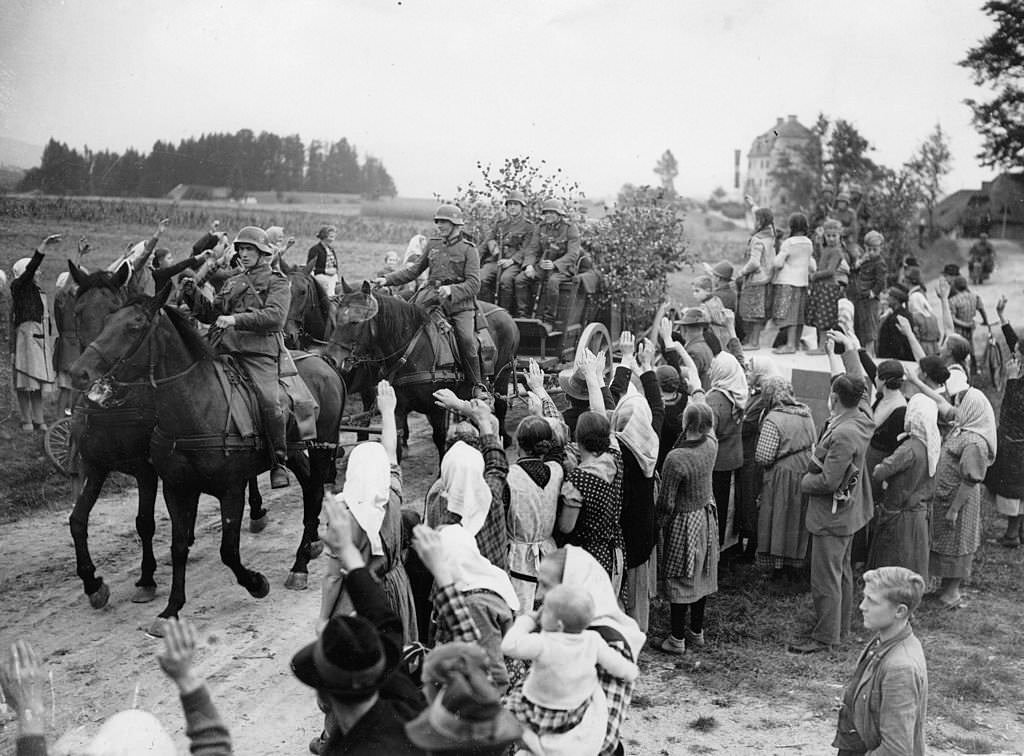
x,y
511,236
453,262
559,242
259,300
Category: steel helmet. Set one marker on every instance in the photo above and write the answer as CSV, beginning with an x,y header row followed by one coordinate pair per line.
x,y
450,213
255,236
553,206
516,196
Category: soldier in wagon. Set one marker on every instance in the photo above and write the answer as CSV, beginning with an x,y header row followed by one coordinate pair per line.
x,y
502,254
549,258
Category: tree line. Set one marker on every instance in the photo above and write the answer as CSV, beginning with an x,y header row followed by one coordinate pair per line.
x,y
242,162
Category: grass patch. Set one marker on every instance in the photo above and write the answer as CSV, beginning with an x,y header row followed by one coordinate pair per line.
x,y
704,724
973,744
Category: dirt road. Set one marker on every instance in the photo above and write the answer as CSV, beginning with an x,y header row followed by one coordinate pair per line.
x,y
103,662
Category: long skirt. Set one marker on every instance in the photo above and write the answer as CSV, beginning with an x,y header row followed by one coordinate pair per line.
x,y
753,303
398,594
790,303
823,305
899,538
782,537
865,319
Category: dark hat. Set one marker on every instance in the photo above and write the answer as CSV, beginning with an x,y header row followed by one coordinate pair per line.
x,y
913,276
933,367
951,270
889,369
703,282
467,714
694,316
910,262
573,384
668,378
722,269
898,293
350,660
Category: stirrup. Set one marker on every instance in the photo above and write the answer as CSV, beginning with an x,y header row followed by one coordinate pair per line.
x,y
279,476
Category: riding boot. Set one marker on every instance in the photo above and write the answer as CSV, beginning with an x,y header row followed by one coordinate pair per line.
x,y
276,436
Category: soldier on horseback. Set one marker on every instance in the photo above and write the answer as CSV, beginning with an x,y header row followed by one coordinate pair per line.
x,y
248,315
454,265
503,252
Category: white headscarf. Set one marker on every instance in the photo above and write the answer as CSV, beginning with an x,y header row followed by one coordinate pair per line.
x,y
726,375
415,247
921,422
367,490
975,414
584,572
473,571
463,487
631,423
19,267
132,733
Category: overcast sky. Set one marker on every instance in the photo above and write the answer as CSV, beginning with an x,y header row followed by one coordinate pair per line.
x,y
599,88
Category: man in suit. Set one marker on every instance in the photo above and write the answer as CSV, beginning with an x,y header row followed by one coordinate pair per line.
x,y
839,497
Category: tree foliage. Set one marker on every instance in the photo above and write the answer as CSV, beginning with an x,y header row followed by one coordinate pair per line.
x,y
243,162
998,62
667,168
894,201
929,165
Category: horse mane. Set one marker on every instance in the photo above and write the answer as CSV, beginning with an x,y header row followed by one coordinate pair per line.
x,y
397,316
197,346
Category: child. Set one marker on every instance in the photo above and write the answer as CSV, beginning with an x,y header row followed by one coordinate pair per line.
x,y
722,319
391,264
563,676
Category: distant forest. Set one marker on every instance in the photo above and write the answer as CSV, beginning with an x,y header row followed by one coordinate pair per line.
x,y
242,162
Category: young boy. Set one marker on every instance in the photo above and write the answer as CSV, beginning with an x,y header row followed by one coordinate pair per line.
x,y
883,705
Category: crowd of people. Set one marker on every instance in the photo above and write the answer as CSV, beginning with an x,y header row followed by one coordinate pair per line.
x,y
512,613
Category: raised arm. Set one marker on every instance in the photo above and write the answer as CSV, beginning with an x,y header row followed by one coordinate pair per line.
x,y
387,402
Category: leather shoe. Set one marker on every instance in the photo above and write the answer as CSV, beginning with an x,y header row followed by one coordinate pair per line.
x,y
279,477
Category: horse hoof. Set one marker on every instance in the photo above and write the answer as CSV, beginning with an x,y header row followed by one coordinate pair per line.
x,y
316,548
261,589
144,594
100,597
156,628
258,525
296,581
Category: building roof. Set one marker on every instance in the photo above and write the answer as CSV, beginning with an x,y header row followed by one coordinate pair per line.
x,y
786,128
1004,194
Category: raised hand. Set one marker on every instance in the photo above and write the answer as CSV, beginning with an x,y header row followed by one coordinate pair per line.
x,y
645,355
534,377
21,679
162,226
49,241
665,331
427,544
627,344
338,535
386,399
178,653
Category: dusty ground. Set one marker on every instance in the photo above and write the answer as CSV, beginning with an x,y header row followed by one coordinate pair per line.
x,y
101,661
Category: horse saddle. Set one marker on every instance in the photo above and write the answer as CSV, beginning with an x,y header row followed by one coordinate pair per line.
x,y
446,346
297,402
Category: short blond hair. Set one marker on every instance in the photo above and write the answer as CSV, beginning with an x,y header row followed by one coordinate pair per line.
x,y
897,584
574,609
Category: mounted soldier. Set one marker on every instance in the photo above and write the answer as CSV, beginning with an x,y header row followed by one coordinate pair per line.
x,y
503,252
248,315
454,278
549,259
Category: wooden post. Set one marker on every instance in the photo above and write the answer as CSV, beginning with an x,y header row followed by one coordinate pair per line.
x,y
1003,234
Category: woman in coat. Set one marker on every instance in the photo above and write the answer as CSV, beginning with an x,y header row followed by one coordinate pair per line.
x,y
727,399
900,528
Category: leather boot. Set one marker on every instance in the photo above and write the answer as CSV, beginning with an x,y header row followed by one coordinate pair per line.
x,y
276,436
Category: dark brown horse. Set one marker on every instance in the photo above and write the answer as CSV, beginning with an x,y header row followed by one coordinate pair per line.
x,y
144,342
116,438
378,336
309,313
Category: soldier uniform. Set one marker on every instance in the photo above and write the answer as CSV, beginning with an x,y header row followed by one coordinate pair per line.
x,y
453,261
258,298
558,242
506,240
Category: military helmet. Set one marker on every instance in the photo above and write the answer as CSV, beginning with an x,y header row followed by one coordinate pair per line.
x,y
256,237
515,195
449,213
553,206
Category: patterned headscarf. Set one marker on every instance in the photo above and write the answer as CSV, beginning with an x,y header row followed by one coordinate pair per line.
x,y
975,414
727,376
777,393
921,422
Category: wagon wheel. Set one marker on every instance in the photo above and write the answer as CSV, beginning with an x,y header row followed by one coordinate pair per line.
x,y
58,445
596,337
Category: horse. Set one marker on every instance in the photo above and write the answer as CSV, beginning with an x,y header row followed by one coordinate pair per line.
x,y
145,342
116,438
385,336
309,313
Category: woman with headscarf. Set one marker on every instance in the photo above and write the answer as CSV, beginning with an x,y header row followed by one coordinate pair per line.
x,y
892,344
66,349
32,332
533,484
888,410
727,397
688,557
900,529
373,496
576,568
784,450
955,502
756,276
636,422
1005,479
749,478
